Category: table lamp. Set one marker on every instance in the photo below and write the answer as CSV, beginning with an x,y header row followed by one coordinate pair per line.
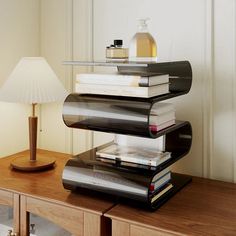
x,y
32,82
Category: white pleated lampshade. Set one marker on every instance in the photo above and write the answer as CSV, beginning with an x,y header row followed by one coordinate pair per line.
x,y
32,81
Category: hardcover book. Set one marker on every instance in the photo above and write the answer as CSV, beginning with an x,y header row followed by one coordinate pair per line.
x,y
162,107
160,193
125,164
134,155
163,180
127,91
155,128
129,79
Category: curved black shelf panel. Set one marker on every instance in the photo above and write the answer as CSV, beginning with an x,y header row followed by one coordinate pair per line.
x,y
178,141
84,171
180,72
113,115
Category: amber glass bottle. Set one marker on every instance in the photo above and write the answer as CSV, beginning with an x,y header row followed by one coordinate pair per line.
x,y
143,46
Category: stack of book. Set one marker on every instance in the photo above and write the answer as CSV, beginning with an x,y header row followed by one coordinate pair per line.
x,y
162,116
144,158
131,84
128,171
140,159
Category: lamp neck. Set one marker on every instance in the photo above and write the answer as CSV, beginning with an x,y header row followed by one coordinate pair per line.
x,y
33,109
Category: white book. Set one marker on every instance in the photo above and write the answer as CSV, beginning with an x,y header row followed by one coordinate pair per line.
x,y
122,90
160,174
162,192
161,107
162,118
134,155
134,80
160,182
155,128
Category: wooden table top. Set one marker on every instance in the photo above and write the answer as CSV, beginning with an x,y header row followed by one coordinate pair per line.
x,y
203,207
47,185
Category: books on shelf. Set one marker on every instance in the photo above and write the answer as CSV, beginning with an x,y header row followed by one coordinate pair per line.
x,y
125,164
160,174
160,193
163,180
134,155
129,79
101,177
161,107
162,115
156,128
127,91
139,84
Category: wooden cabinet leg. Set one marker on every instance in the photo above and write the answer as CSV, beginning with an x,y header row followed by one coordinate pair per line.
x,y
92,224
120,228
24,217
16,214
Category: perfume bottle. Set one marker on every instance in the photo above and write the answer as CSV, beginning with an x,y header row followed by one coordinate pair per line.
x,y
143,46
116,51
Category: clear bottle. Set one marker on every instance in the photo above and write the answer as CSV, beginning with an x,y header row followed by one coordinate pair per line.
x,y
143,46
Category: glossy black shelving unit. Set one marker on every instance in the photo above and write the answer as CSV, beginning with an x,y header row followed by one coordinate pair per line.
x,y
130,116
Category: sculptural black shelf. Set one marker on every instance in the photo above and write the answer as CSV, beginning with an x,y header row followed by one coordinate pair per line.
x,y
129,116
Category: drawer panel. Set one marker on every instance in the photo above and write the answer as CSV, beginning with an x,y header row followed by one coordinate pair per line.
x,y
141,231
6,198
68,218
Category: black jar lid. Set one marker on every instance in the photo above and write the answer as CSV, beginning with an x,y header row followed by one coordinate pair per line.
x,y
118,42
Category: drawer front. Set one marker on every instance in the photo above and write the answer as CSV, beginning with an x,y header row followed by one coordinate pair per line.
x,y
120,228
6,198
68,218
141,231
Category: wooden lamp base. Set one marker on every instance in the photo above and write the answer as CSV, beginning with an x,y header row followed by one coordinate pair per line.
x,y
34,162
25,164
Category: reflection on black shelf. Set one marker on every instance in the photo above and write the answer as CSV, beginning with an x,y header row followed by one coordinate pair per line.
x,y
111,114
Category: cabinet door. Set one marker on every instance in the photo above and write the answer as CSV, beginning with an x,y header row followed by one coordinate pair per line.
x,y
9,213
121,228
44,218
142,231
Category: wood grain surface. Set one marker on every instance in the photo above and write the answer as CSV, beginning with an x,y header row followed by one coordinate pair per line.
x,y
204,207
47,185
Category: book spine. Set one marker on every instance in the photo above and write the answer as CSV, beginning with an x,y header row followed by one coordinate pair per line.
x,y
160,108
122,80
160,193
144,82
156,128
127,159
118,80
122,90
160,182
112,90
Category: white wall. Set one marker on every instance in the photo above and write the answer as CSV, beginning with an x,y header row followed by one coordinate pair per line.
x,y
223,87
179,29
55,41
201,31
64,36
19,30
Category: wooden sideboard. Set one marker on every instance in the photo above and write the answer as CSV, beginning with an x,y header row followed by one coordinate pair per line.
x,y
42,194
203,207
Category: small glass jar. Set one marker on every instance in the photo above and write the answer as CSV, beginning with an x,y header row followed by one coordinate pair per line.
x,y
116,51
